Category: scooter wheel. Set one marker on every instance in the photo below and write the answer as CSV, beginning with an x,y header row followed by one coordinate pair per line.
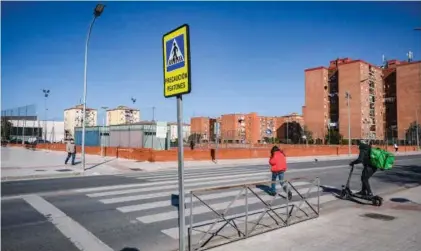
x,y
344,194
377,201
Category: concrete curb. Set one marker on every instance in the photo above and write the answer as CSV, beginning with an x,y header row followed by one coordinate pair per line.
x,y
39,177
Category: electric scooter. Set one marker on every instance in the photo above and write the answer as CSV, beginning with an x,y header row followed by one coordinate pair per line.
x,y
346,193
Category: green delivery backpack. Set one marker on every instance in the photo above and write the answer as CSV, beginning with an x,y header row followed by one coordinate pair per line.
x,y
381,159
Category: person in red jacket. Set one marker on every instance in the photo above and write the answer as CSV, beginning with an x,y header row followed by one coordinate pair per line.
x,y
278,165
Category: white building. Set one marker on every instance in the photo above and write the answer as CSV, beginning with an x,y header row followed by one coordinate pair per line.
x,y
173,131
73,117
30,130
122,115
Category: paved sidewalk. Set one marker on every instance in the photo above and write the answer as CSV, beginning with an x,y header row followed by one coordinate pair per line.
x,y
349,229
20,163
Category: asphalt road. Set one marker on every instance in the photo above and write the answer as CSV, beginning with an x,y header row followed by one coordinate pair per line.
x,y
139,210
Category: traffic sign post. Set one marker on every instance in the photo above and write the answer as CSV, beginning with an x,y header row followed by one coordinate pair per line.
x,y
177,81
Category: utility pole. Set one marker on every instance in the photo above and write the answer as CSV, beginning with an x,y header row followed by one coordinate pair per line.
x,y
348,97
153,113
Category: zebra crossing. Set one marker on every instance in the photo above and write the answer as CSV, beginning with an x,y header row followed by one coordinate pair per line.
x,y
154,200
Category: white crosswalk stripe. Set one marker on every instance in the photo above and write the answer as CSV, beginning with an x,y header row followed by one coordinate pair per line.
x,y
204,209
156,201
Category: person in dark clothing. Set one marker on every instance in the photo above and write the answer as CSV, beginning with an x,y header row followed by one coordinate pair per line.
x,y
368,171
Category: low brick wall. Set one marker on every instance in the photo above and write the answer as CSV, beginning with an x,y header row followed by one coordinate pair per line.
x,y
142,154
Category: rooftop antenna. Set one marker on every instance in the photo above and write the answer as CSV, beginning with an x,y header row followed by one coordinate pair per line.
x,y
384,62
410,56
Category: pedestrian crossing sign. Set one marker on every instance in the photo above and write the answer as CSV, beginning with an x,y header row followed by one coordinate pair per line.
x,y
176,55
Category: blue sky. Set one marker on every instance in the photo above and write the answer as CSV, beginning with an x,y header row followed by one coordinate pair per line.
x,y
246,56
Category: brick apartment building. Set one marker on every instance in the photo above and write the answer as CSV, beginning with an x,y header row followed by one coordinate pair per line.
x,y
289,125
245,128
202,129
240,128
402,97
374,103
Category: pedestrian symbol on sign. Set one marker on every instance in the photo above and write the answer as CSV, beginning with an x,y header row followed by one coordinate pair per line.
x,y
175,53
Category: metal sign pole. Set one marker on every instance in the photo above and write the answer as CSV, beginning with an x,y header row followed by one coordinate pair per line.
x,y
177,81
181,202
217,140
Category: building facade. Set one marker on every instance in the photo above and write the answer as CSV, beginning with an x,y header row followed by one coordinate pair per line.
x,y
247,128
326,105
402,98
122,115
31,130
173,128
202,129
73,117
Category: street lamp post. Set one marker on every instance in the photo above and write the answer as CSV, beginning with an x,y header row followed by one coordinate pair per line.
x,y
417,123
418,126
97,12
348,97
46,94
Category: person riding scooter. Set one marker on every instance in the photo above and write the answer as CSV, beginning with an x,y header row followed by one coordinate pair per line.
x,y
368,171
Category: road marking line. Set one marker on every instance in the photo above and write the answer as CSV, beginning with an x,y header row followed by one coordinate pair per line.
x,y
77,234
173,232
167,202
213,177
209,174
173,181
173,214
195,185
104,188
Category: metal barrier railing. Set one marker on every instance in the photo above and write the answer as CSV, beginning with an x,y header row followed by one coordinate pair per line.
x,y
277,211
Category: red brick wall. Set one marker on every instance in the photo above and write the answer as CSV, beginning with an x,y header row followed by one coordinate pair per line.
x,y
205,154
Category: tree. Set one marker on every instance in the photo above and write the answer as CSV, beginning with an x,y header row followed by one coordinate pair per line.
x,y
308,134
6,129
291,132
195,137
411,133
333,137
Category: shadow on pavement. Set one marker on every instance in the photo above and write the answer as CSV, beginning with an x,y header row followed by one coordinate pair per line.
x,y
99,164
337,193
265,188
403,200
333,190
401,175
130,249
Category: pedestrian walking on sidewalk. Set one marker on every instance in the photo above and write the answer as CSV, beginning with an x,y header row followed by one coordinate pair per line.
x,y
71,151
278,165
